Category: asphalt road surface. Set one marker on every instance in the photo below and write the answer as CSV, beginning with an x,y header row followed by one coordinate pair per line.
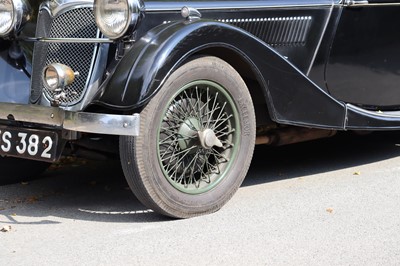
x,y
328,202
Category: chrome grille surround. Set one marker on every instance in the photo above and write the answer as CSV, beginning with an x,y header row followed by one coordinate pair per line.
x,y
77,22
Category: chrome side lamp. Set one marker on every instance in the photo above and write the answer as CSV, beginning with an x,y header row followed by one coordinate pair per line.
x,y
56,77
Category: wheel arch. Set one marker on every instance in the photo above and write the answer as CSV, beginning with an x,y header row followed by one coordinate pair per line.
x,y
134,81
251,76
290,96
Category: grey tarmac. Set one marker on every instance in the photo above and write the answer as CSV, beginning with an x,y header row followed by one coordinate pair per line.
x,y
327,202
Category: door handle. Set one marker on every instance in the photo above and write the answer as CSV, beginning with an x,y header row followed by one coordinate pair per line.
x,y
355,3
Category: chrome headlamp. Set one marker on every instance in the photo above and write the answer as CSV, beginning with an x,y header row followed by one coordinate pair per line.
x,y
13,13
116,17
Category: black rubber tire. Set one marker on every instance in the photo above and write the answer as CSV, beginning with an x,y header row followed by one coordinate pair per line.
x,y
14,170
139,157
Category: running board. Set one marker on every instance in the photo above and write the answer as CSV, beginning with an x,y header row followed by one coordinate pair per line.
x,y
361,119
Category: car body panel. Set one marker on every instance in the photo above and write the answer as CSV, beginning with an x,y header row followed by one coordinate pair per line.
x,y
364,63
153,62
296,50
14,81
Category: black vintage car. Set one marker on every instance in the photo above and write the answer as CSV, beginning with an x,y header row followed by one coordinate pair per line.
x,y
183,90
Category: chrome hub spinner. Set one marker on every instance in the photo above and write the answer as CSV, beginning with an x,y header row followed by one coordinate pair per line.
x,y
208,139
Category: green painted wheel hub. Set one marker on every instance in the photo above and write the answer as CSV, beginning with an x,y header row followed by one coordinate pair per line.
x,y
198,137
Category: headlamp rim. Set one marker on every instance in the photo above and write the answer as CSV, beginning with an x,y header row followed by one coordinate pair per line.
x,y
21,13
134,8
13,20
45,77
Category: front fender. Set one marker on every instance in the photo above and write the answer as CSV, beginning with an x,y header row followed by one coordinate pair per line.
x,y
292,98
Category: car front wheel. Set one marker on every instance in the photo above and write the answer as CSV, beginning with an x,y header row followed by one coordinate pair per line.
x,y
196,141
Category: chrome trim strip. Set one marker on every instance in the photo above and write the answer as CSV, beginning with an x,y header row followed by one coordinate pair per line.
x,y
127,125
366,4
57,7
151,6
346,116
383,114
96,75
158,9
68,40
322,35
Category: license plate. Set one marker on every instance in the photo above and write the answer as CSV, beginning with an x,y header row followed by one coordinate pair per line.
x,y
28,143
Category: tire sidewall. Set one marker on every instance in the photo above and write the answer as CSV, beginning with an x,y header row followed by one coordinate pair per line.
x,y
170,198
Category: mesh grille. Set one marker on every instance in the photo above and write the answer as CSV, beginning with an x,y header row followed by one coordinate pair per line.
x,y
75,23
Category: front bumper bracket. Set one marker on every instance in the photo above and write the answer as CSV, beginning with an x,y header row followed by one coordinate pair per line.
x,y
127,125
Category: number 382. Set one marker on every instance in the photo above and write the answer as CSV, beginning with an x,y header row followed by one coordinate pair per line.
x,y
26,144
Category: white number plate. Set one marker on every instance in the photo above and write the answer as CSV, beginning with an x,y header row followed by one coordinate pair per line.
x,y
28,143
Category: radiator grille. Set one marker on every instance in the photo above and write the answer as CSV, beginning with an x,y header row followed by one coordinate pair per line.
x,y
75,23
277,31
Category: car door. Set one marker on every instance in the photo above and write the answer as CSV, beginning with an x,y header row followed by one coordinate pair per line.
x,y
364,63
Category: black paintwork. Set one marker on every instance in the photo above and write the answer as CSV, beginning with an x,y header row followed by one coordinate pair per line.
x,y
345,57
163,49
299,54
317,72
364,64
14,79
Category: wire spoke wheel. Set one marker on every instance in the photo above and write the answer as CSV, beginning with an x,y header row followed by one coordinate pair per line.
x,y
197,137
196,141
